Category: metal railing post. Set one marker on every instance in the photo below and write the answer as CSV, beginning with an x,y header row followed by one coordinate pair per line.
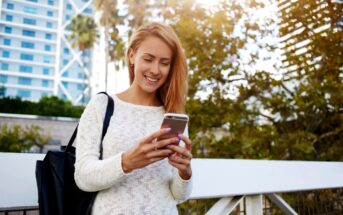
x,y
254,205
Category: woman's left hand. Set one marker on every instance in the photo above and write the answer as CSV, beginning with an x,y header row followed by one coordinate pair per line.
x,y
182,157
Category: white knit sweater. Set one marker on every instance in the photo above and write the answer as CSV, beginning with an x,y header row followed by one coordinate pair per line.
x,y
155,189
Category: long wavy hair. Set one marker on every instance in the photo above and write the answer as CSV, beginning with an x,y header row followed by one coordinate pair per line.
x,y
173,92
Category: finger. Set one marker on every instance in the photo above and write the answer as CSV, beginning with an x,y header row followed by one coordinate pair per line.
x,y
162,143
187,141
159,153
180,150
179,160
178,166
166,142
157,134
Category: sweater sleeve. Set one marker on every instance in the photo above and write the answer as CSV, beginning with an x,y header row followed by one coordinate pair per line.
x,y
92,174
180,188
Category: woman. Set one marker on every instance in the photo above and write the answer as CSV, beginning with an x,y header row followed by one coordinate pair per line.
x,y
138,173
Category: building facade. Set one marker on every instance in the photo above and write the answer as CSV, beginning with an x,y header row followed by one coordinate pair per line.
x,y
36,57
302,23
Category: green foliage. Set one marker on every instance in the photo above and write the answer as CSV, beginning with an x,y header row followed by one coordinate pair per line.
x,y
237,111
83,32
47,106
18,139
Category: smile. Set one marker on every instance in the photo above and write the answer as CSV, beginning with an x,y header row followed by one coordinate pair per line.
x,y
154,80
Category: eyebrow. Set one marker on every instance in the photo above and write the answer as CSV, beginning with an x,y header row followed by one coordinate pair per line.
x,y
153,56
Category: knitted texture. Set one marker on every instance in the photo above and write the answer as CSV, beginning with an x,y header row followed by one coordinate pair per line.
x,y
154,189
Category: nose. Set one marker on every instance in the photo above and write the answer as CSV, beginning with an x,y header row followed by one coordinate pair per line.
x,y
155,70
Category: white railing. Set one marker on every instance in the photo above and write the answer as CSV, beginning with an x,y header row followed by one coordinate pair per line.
x,y
228,179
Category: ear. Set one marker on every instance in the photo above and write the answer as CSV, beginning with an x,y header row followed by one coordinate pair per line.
x,y
131,56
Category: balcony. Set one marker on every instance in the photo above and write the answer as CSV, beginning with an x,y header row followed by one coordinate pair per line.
x,y
238,183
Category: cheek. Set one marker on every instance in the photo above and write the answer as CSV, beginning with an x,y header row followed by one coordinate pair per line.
x,y
165,71
139,68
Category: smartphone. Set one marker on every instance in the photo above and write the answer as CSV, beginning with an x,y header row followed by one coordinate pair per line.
x,y
177,123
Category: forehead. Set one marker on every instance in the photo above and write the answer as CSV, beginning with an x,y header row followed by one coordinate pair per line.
x,y
156,47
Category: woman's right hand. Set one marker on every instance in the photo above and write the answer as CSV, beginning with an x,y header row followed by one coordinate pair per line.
x,y
147,151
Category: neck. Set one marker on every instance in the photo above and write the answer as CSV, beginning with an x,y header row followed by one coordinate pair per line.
x,y
136,96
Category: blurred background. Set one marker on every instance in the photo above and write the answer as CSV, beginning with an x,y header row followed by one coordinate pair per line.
x,y
265,76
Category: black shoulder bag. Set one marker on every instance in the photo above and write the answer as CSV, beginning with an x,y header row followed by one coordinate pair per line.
x,y
57,192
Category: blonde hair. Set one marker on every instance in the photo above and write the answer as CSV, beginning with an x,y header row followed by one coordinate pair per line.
x,y
174,91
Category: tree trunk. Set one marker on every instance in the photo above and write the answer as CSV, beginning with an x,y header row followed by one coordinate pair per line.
x,y
83,80
106,43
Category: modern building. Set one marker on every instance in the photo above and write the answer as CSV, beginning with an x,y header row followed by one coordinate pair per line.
x,y
320,17
36,57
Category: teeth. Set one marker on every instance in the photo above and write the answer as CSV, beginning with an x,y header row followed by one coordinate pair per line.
x,y
151,79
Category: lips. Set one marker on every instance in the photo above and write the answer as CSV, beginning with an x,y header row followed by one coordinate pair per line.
x,y
151,80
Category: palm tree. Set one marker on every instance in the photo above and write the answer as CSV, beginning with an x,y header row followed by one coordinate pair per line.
x,y
110,19
84,34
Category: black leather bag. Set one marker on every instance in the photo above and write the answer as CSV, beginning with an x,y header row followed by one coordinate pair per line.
x,y
57,192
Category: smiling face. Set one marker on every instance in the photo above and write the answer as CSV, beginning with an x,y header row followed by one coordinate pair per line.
x,y
151,61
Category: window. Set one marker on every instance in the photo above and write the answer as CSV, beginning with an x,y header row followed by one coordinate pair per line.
x,y
45,83
67,17
7,42
88,10
49,13
48,36
24,81
29,21
86,53
32,0
65,74
27,45
30,10
49,25
10,6
66,51
79,75
26,69
26,57
47,59
51,2
3,78
4,66
8,30
9,18
79,87
65,62
24,93
47,48
46,71
29,33
69,7
6,54
65,84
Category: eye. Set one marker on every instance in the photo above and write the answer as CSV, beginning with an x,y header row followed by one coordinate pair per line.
x,y
147,59
165,63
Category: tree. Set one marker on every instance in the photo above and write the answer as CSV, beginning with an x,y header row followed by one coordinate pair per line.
x,y
110,19
47,106
17,139
83,36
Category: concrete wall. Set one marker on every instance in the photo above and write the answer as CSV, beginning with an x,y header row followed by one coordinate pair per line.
x,y
59,129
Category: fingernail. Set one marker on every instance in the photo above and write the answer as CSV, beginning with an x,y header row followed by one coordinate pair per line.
x,y
178,139
180,136
167,129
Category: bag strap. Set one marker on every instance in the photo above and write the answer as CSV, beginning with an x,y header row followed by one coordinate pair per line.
x,y
107,119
